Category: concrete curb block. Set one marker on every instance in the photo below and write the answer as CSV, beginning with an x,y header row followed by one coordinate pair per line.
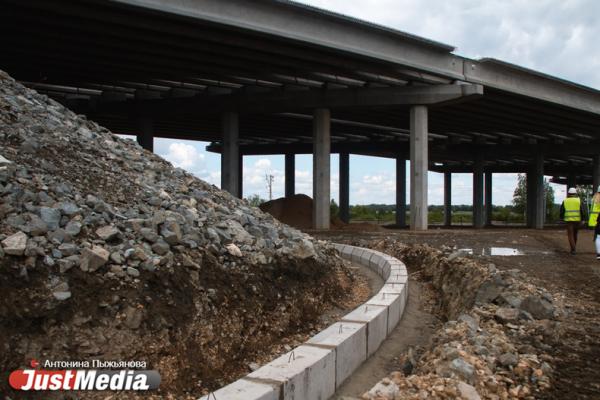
x,y
317,368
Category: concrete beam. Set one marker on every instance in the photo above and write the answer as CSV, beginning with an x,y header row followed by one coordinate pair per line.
x,y
278,101
290,174
345,187
230,157
488,199
400,192
419,161
145,134
447,198
321,168
478,215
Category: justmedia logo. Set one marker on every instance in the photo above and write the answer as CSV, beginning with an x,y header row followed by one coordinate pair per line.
x,y
80,379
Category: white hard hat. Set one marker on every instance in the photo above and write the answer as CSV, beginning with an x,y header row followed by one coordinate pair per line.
x,y
573,191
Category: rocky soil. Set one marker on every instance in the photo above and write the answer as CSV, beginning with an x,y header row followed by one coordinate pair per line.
x,y
498,337
109,252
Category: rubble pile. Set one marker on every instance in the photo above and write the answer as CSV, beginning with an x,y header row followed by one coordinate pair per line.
x,y
107,251
496,342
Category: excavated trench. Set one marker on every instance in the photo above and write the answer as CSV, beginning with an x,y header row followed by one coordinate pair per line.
x,y
469,331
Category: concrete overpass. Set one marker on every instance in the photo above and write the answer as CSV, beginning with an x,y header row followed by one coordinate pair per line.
x,y
277,77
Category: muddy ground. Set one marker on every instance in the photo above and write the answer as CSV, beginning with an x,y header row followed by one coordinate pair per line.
x,y
544,256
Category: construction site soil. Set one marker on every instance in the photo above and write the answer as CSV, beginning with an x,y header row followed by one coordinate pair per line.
x,y
108,252
570,344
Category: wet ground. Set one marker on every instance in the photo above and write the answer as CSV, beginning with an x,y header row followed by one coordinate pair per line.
x,y
544,256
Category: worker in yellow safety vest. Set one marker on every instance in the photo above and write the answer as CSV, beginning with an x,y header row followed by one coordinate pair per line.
x,y
593,221
572,212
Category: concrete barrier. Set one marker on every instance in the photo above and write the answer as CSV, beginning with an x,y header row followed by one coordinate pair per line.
x,y
314,370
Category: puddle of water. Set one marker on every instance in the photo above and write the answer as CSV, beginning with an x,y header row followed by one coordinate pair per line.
x,y
500,251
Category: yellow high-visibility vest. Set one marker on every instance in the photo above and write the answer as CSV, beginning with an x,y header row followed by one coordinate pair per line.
x,y
572,209
594,215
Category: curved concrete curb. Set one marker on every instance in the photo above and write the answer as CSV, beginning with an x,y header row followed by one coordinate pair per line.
x,y
315,369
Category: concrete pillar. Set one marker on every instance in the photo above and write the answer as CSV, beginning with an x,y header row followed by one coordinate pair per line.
x,y
345,187
571,181
530,206
321,168
488,199
145,132
241,177
478,215
447,198
230,155
596,174
539,198
400,192
290,174
419,166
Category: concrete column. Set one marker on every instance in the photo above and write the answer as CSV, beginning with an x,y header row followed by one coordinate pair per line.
x,y
400,192
571,181
290,174
530,206
321,168
478,215
539,198
241,177
145,132
596,174
447,198
419,166
488,199
230,155
345,187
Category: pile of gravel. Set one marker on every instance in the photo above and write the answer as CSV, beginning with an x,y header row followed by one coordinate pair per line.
x,y
100,237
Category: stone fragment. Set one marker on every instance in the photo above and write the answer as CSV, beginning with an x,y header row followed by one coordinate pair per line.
x,y
304,249
462,368
539,308
133,317
149,234
15,244
234,250
161,247
51,216
133,272
108,233
61,296
505,314
508,359
94,258
171,232
467,391
73,228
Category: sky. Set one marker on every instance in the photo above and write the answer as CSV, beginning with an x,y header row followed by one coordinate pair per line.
x,y
558,37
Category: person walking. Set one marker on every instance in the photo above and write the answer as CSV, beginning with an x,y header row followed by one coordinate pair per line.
x,y
572,212
593,221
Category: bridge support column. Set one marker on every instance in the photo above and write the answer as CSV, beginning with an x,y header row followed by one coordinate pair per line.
x,y
447,198
596,174
230,156
145,132
400,192
478,214
345,187
241,177
290,174
571,180
488,199
321,168
539,198
419,166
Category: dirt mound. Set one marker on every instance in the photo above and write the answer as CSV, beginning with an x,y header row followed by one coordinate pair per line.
x,y
108,252
297,211
294,210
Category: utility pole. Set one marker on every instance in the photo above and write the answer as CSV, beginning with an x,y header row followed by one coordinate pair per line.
x,y
270,178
